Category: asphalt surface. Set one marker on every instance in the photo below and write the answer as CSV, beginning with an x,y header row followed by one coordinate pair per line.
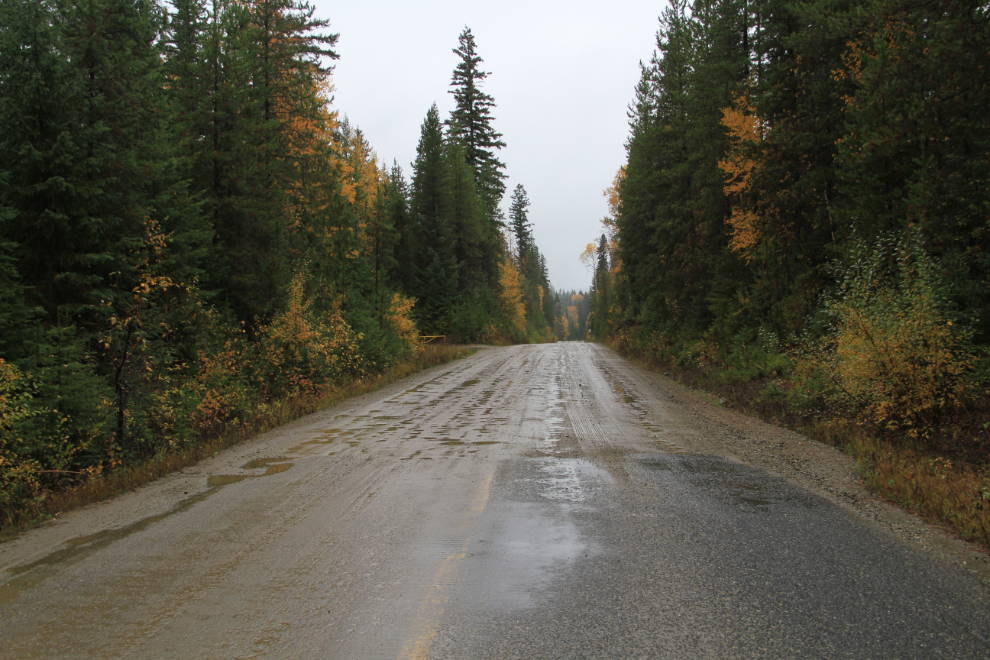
x,y
527,502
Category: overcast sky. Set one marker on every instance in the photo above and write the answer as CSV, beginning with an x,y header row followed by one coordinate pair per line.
x,y
562,76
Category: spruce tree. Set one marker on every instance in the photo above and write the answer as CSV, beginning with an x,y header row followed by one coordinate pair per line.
x,y
519,221
473,119
403,272
464,216
428,198
436,270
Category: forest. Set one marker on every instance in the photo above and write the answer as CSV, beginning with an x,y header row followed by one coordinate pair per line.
x,y
802,226
190,234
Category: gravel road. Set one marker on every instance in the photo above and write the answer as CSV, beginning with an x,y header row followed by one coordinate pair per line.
x,y
551,501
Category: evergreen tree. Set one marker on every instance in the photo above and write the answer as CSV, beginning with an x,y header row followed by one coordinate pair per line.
x,y
473,119
519,221
248,79
40,93
15,314
600,293
403,273
435,283
916,148
465,217
428,198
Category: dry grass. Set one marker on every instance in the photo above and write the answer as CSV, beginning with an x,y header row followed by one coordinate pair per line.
x,y
957,496
269,417
947,483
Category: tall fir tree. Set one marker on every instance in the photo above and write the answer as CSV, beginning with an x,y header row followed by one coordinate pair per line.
x,y
473,118
436,272
519,221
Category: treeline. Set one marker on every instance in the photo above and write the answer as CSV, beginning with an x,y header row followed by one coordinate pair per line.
x,y
189,233
572,309
807,191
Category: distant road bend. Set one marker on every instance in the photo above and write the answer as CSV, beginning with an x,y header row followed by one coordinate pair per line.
x,y
550,501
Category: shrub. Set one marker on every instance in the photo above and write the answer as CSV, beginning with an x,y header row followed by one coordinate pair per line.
x,y
18,472
892,355
302,349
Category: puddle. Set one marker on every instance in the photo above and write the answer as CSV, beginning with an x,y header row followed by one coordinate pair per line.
x,y
511,565
560,481
741,486
325,437
620,390
469,383
271,465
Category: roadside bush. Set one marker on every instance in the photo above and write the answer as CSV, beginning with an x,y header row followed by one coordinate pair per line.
x,y
304,350
222,385
18,472
399,317
892,355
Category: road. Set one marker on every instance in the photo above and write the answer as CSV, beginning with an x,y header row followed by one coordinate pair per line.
x,y
549,501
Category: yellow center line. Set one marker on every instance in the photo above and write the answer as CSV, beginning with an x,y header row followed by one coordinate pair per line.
x,y
428,621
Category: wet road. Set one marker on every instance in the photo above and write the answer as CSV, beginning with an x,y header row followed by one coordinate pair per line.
x,y
531,502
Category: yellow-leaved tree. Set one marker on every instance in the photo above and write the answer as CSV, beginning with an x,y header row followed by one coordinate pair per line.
x,y
303,349
18,469
510,295
398,315
745,131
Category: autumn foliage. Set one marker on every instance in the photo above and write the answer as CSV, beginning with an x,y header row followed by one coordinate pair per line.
x,y
893,357
744,131
510,295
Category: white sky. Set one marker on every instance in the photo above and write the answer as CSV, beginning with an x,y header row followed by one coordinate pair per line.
x,y
562,76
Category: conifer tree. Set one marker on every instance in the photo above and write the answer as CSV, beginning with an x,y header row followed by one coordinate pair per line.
x,y
473,119
436,280
403,273
600,293
519,221
465,217
428,199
